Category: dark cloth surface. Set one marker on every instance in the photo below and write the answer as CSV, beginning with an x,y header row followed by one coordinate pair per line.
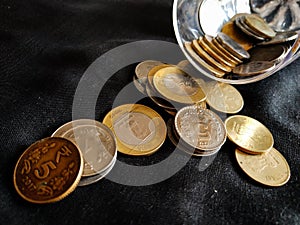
x,y
46,46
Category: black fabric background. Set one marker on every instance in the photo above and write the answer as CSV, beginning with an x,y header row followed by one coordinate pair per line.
x,y
45,47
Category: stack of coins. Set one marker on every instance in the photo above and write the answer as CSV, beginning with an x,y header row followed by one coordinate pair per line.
x,y
139,130
226,55
79,153
255,153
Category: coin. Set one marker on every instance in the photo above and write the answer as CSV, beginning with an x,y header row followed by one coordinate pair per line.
x,y
140,84
274,53
217,72
200,128
153,71
257,24
281,37
253,68
202,53
239,22
214,54
234,32
143,68
232,46
224,97
178,86
269,168
48,171
139,130
249,134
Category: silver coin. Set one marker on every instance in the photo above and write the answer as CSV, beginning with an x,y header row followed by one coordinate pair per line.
x,y
232,46
140,84
96,142
273,53
143,68
200,128
246,29
281,37
253,68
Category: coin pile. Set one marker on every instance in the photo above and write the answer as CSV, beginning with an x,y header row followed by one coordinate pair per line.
x,y
228,53
255,152
80,152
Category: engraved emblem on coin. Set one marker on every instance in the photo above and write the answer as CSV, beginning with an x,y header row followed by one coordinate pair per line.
x,y
134,128
48,170
97,147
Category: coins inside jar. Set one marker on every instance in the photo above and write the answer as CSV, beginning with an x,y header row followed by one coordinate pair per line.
x,y
48,171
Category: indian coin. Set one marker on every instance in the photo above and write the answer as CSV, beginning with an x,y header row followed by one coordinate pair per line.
x,y
200,128
48,171
95,141
249,134
257,24
213,54
178,86
203,54
224,97
139,130
217,72
152,72
143,68
140,84
232,46
235,34
253,68
273,53
269,168
239,22
281,37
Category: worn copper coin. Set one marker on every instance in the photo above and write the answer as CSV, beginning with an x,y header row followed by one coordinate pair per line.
x,y
274,53
253,68
269,168
48,171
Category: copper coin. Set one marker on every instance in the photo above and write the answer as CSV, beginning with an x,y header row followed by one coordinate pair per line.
x,y
48,171
253,68
274,53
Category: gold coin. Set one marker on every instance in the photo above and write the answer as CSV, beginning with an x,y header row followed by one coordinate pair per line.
x,y
269,168
217,72
214,54
224,97
95,141
48,171
202,53
249,134
139,130
152,72
233,32
178,86
260,26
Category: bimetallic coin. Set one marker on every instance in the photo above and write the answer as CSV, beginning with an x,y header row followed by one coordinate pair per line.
x,y
217,72
249,134
200,128
95,141
232,46
143,68
274,53
139,130
152,72
253,68
281,37
224,98
203,54
176,85
269,168
48,171
257,24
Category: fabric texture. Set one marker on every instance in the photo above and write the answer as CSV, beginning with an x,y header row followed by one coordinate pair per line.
x,y
45,48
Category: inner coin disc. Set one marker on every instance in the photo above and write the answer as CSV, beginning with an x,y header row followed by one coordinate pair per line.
x,y
249,134
178,86
95,141
139,130
269,168
200,128
48,170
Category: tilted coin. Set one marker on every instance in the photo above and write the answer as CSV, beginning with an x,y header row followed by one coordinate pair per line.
x,y
140,86
253,68
224,97
274,53
176,85
200,128
213,54
249,134
239,22
281,37
143,68
139,130
95,141
203,54
217,72
48,171
260,26
269,168
152,72
235,34
232,46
